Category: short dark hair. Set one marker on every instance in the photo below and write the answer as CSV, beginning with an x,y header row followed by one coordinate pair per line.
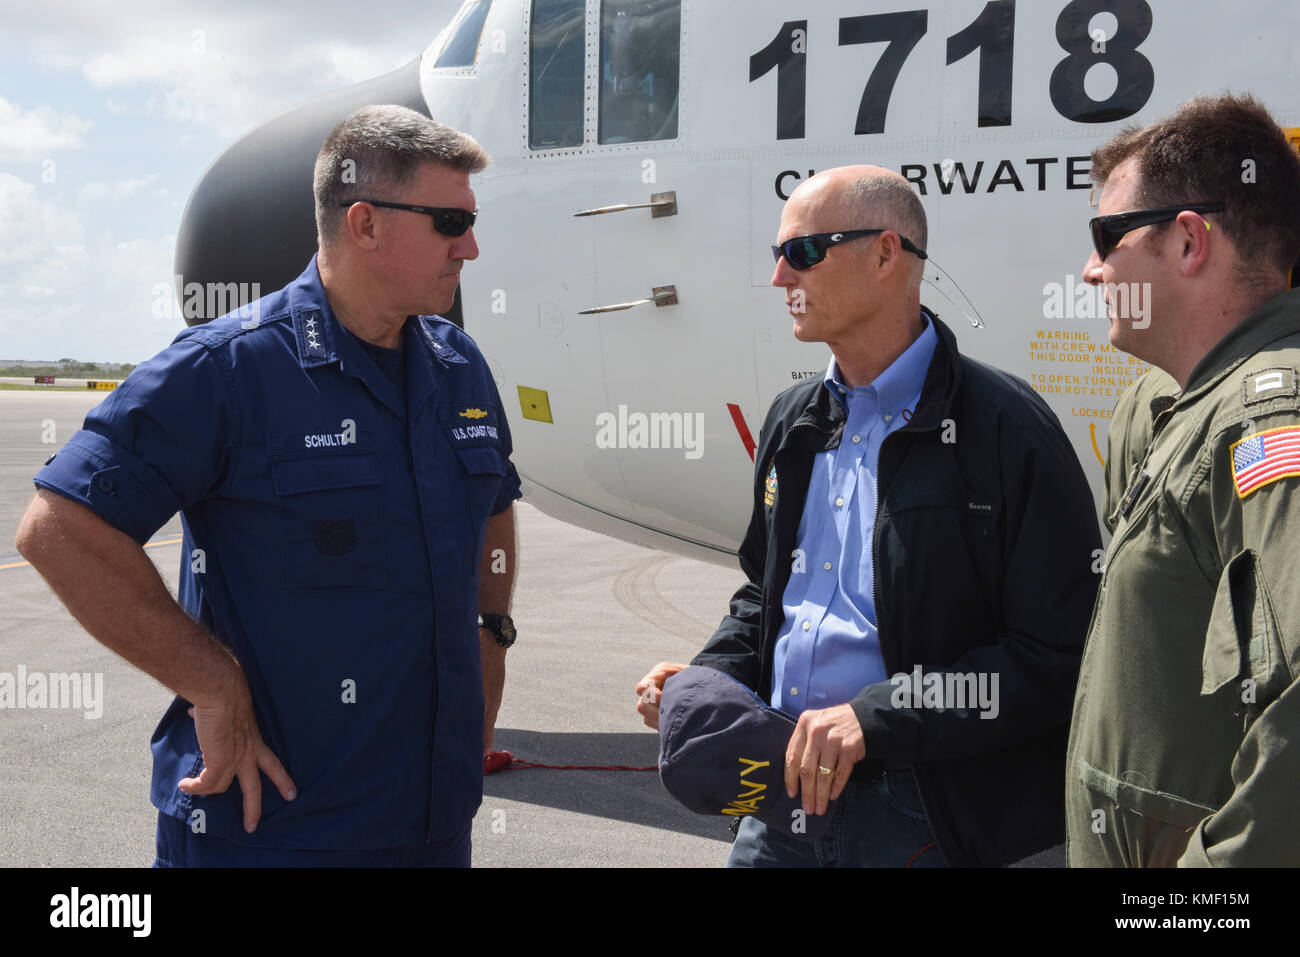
x,y
385,146
1200,154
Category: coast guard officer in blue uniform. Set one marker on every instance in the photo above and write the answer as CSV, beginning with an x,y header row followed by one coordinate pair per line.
x,y
340,458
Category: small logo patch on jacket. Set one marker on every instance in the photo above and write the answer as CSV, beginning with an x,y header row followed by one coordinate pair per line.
x,y
473,414
769,487
1268,384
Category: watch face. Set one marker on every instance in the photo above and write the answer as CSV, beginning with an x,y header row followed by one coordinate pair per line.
x,y
501,626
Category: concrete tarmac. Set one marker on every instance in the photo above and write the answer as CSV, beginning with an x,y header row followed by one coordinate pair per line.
x,y
594,615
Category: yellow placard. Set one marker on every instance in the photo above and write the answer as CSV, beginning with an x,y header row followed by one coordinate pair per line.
x,y
536,404
100,385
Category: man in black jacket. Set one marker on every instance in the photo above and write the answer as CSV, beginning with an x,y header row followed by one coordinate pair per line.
x,y
920,564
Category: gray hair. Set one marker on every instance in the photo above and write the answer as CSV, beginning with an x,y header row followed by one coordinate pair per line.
x,y
378,148
887,202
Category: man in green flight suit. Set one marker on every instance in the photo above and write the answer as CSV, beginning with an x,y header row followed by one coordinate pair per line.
x,y
1185,742
1130,434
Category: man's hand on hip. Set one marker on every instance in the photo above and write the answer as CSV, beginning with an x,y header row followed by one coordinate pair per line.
x,y
821,754
232,747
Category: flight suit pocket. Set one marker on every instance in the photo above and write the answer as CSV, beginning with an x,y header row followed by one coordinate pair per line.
x,y
330,506
1151,828
1243,643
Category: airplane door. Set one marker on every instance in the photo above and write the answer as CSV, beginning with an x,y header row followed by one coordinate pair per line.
x,y
538,257
667,225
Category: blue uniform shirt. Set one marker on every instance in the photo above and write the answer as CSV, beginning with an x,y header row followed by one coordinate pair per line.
x,y
828,650
332,529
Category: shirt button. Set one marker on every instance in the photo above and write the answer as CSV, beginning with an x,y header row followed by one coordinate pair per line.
x,y
857,438
889,418
806,626
794,692
827,566
106,484
839,503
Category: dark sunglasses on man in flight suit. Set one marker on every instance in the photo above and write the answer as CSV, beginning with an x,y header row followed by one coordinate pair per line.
x,y
1107,231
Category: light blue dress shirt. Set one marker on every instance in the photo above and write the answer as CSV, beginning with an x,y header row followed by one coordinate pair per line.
x,y
828,649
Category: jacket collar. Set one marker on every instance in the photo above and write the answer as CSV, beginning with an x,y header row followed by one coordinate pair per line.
x,y
1275,319
938,393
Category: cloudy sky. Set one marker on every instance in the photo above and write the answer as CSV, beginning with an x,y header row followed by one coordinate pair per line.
x,y
109,112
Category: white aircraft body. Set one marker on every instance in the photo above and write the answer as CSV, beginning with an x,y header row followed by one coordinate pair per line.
x,y
642,150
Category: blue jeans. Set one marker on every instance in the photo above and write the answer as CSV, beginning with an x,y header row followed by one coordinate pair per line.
x,y
178,846
880,823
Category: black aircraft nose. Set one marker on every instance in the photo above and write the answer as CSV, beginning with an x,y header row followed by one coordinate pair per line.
x,y
251,218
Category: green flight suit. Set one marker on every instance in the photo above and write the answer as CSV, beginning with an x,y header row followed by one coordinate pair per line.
x,y
1130,433
1185,742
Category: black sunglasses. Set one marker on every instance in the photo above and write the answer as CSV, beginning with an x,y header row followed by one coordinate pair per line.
x,y
804,252
1107,231
447,220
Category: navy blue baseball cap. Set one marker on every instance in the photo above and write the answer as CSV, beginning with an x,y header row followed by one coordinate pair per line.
x,y
722,751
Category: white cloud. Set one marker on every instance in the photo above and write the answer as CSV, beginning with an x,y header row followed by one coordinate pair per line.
x,y
148,107
95,191
37,232
226,68
69,290
30,134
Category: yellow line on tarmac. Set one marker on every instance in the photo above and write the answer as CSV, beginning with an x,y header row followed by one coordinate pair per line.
x,y
167,541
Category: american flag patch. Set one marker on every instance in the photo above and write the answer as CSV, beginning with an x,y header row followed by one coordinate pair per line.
x,y
1265,457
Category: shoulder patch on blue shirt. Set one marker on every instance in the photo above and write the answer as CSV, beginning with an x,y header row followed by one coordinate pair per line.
x,y
437,345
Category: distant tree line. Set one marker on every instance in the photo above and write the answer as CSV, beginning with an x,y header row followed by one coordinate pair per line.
x,y
71,369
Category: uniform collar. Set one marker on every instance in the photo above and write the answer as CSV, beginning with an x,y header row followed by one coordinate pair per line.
x,y
1277,318
320,337
314,327
938,392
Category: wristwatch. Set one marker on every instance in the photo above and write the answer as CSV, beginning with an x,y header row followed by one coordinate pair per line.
x,y
502,628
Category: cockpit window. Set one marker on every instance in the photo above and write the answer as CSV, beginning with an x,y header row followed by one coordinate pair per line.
x,y
640,56
463,35
556,57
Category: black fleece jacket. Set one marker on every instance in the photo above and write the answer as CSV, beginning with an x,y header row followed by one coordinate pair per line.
x,y
986,549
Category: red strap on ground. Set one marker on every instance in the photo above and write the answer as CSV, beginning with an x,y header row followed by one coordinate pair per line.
x,y
505,761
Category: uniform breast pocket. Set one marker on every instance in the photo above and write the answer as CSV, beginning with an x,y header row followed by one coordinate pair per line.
x,y
330,509
484,470
475,436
